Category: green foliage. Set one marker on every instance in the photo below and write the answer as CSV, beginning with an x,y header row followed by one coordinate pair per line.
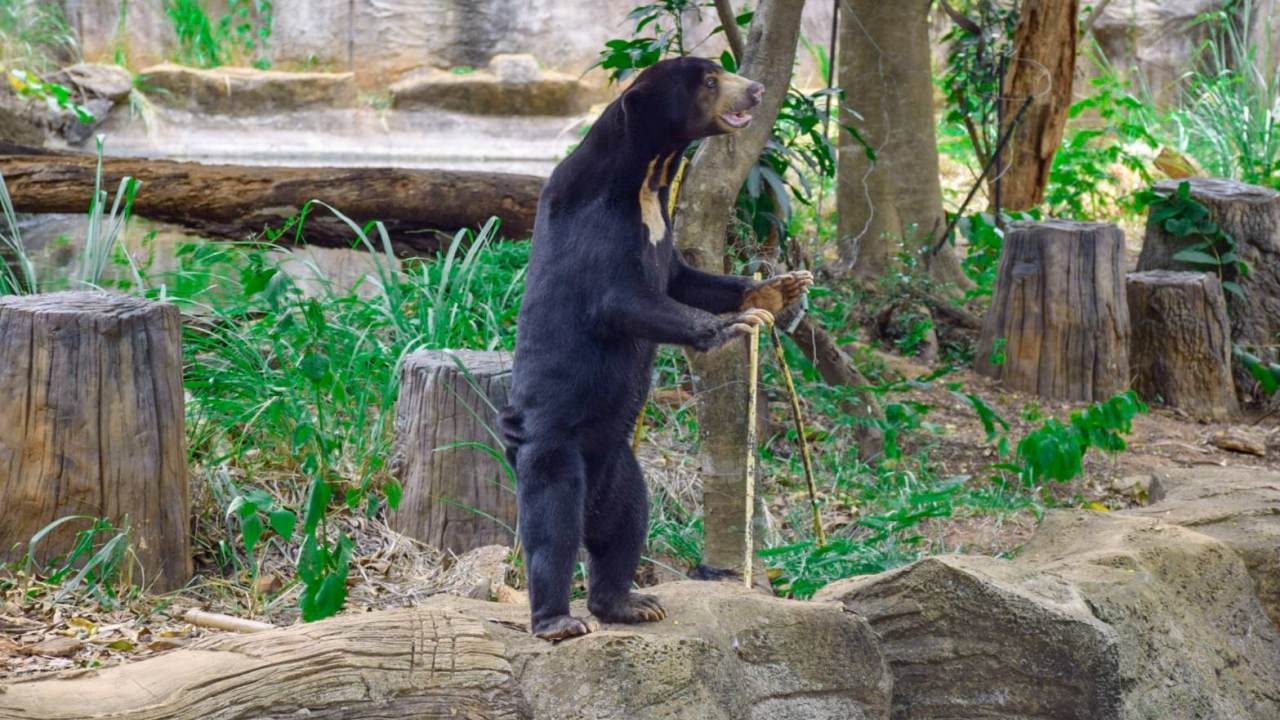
x,y
279,376
1228,117
1266,373
243,32
1082,180
984,241
658,32
976,62
35,36
102,245
96,568
1209,247
1055,452
56,97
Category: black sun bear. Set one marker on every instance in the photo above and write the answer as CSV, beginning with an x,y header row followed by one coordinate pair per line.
x,y
605,286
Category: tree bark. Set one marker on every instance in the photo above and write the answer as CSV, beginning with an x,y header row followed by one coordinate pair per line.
x,y
707,198
1059,306
1043,66
418,662
91,423
884,59
1251,215
455,497
235,202
1180,349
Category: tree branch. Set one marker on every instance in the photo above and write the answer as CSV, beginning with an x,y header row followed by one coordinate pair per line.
x,y
729,22
1094,15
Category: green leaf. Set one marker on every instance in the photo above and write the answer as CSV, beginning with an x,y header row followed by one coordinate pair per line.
x,y
251,528
283,522
1197,257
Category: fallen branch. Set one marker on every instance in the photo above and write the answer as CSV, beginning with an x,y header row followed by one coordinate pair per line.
x,y
218,621
235,202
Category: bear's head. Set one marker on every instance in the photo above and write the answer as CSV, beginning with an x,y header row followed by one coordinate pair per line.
x,y
687,98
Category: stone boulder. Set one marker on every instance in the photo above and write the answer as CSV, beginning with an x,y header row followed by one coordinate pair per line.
x,y
1154,37
512,85
93,80
247,91
1240,507
1101,616
723,653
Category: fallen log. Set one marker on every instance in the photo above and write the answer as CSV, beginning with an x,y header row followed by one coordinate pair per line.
x,y
234,202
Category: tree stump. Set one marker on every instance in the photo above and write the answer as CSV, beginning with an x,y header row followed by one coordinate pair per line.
x,y
1058,324
91,423
1251,215
1180,349
456,497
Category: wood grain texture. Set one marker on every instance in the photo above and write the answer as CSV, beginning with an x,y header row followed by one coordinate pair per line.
x,y
456,498
413,663
1251,215
1180,349
237,202
91,423
1059,306
1042,67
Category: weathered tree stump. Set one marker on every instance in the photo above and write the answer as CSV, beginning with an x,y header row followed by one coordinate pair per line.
x,y
455,497
1180,349
1058,324
1251,215
91,424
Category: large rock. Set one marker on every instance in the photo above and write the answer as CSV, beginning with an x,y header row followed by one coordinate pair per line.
x,y
1099,617
1238,506
246,91
724,653
1154,37
512,85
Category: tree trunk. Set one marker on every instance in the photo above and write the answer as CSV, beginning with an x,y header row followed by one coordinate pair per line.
x,y
885,69
237,203
1180,350
91,424
1058,315
707,198
455,497
413,663
1251,215
1043,67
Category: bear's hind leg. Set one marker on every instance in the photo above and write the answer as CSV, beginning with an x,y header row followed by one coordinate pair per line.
x,y
549,493
616,524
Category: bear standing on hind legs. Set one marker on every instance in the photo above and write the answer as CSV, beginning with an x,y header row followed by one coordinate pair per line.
x,y
605,286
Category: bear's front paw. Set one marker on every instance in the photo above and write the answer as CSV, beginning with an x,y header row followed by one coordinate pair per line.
x,y
744,322
779,291
561,627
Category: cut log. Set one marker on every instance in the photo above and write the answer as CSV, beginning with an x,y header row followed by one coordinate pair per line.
x,y
91,424
1058,325
456,495
1180,349
237,202
1251,215
414,663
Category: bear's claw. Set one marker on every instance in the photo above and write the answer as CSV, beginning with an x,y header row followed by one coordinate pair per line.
x,y
560,628
634,608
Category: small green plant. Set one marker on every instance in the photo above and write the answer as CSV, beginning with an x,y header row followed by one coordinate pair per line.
x,y
1266,373
1083,182
97,567
1055,452
35,36
55,96
1208,246
244,32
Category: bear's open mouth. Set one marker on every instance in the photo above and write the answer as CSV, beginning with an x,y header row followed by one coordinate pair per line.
x,y
737,120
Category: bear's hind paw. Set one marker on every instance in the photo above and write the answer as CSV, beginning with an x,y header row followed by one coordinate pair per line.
x,y
561,627
633,608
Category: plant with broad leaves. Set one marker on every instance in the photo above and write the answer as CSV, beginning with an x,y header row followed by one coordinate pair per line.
x,y
1209,247
1056,450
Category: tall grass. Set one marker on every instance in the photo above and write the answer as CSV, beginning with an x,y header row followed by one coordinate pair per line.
x,y
34,36
1228,118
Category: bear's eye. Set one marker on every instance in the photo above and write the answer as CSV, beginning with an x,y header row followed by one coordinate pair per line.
x,y
711,83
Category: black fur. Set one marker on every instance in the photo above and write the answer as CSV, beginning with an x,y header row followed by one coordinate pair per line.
x,y
600,295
